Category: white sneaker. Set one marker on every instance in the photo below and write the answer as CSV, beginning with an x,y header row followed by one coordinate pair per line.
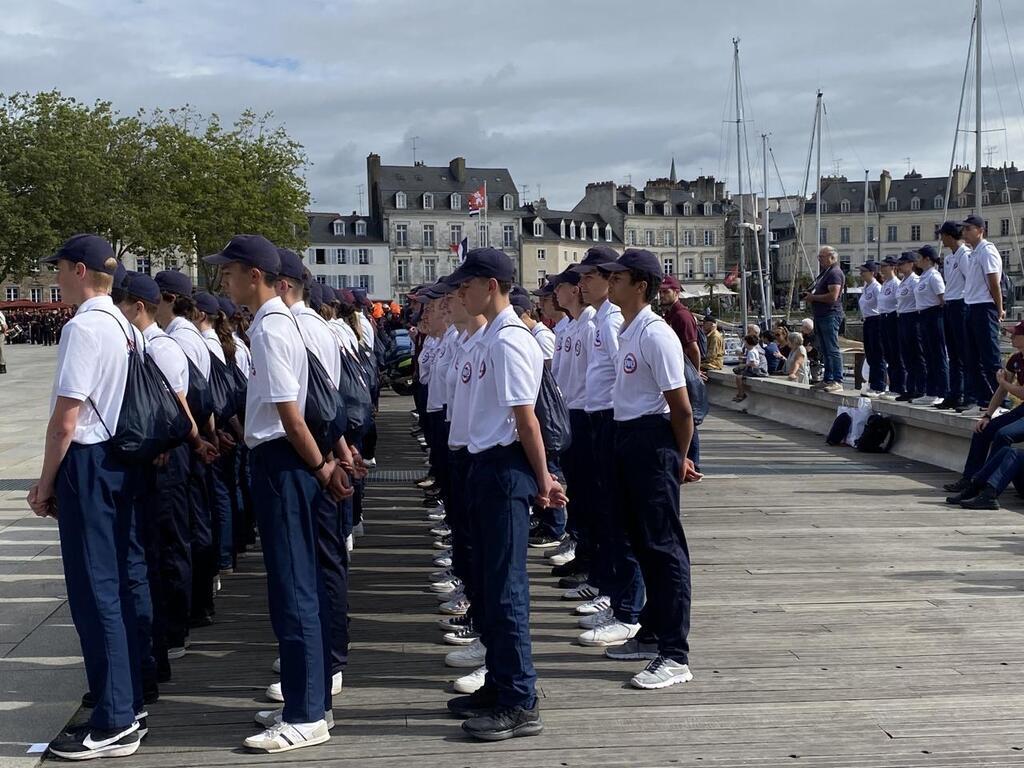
x,y
216,583
276,666
595,619
976,412
598,604
446,585
661,673
268,718
370,462
613,632
582,592
926,400
452,594
472,682
566,551
443,560
349,543
173,654
442,575
441,529
357,529
288,736
461,636
437,514
890,396
457,607
471,656
274,692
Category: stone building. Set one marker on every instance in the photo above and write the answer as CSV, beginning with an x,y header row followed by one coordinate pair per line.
x,y
552,240
349,252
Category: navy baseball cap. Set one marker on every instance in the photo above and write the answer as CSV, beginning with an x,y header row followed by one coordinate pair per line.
x,y
570,276
251,250
907,257
359,297
484,262
207,303
172,281
120,275
292,266
330,296
974,220
522,304
227,306
545,290
636,258
597,257
316,295
890,261
951,228
91,250
869,266
929,252
142,287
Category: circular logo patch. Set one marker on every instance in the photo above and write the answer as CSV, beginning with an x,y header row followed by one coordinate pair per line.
x,y
597,338
579,347
483,369
568,344
467,372
629,362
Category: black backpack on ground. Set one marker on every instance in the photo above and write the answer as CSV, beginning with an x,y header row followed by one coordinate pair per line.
x,y
878,435
151,420
839,430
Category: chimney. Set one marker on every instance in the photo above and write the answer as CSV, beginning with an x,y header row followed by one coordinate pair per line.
x,y
961,180
372,167
457,168
542,204
884,185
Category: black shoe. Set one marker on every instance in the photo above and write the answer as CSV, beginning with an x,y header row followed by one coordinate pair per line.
x,y
969,492
544,541
429,503
986,499
201,620
142,718
505,723
965,407
905,398
571,582
480,702
960,485
88,743
163,672
949,404
572,568
150,693
88,700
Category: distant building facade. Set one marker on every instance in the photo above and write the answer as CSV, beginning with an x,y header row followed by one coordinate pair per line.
x,y
349,252
553,240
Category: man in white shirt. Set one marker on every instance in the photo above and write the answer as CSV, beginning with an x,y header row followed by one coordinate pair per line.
x,y
87,488
288,470
887,302
984,301
954,311
3,341
654,424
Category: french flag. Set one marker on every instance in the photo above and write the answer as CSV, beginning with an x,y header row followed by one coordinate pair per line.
x,y
460,249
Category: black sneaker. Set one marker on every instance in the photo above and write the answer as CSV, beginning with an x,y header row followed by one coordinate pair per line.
x,y
87,743
956,487
452,623
573,568
88,700
949,404
477,704
986,499
544,541
505,723
905,398
143,720
150,693
571,582
204,619
969,492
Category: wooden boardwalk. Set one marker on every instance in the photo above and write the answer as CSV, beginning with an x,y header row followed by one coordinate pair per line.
x,y
843,616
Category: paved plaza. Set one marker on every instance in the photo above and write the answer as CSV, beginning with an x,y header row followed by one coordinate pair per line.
x,y
843,616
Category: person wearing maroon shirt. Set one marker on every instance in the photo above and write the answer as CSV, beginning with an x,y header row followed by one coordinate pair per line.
x,y
682,321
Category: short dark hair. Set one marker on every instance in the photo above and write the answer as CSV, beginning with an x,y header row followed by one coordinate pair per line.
x,y
504,286
182,306
653,283
270,280
751,339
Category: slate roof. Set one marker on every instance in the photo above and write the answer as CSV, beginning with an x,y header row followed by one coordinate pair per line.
x,y
321,229
414,180
553,219
677,197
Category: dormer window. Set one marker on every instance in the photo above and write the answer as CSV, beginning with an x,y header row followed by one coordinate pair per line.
x,y
915,204
360,229
456,201
538,228
961,201
583,230
400,201
507,202
667,209
607,232
1004,196
687,209
938,203
844,206
595,233
339,228
630,208
561,229
823,207
891,204
649,208
572,230
707,209
871,205
428,201
985,198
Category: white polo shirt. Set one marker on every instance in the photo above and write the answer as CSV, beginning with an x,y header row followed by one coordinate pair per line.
x,y
451,372
214,345
559,331
459,409
868,301
985,260
508,374
906,301
954,272
930,286
279,372
243,358
577,351
367,327
604,346
545,339
192,342
887,296
169,358
319,340
650,363
426,359
560,365
437,389
92,364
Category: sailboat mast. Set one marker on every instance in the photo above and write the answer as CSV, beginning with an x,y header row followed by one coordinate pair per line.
x,y
817,197
767,278
978,181
739,182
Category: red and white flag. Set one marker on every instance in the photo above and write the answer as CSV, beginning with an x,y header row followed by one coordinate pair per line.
x,y
478,201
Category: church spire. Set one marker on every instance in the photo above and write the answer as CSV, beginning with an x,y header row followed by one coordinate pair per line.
x,y
672,173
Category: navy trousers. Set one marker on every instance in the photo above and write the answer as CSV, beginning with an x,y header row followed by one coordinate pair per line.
x,y
912,354
94,518
874,353
1002,469
933,344
891,352
439,428
204,554
220,492
646,488
551,520
171,537
139,569
332,559
283,494
575,464
999,433
615,570
499,489
981,360
954,317
456,517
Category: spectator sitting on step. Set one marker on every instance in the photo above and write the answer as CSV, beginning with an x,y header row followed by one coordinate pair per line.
x,y
755,366
993,433
796,362
713,361
984,488
776,360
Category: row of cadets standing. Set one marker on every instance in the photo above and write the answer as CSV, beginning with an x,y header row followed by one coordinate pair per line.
x,y
954,311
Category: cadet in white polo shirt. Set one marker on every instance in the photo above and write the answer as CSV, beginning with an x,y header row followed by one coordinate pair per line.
x,y
654,423
88,489
984,301
929,295
954,311
288,470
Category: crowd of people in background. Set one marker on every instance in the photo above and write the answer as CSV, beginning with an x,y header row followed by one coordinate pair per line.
x,y
36,326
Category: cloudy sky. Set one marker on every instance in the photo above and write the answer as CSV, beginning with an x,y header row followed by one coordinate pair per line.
x,y
561,92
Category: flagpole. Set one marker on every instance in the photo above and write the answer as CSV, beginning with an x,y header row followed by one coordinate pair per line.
x,y
487,230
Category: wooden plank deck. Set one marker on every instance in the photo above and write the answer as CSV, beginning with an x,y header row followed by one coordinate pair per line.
x,y
843,616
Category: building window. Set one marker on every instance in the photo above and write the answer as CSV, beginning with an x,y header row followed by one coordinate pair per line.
x,y
322,279
1004,196
961,201
343,256
54,294
844,206
687,209
142,265
938,203
607,233
823,206
319,255
366,282
707,209
508,235
649,237
402,271
649,208
669,237
572,230
915,232
891,204
630,208
871,205
823,235
595,232
844,234
583,230
538,228
915,204
364,256
428,235
871,234
542,275
666,209
507,202
400,200
561,229
35,294
402,235
12,293
709,237
454,234
428,201
360,229
1004,227
541,254
485,235
687,267
631,237
710,266
456,201
688,237
891,234
339,228
430,269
